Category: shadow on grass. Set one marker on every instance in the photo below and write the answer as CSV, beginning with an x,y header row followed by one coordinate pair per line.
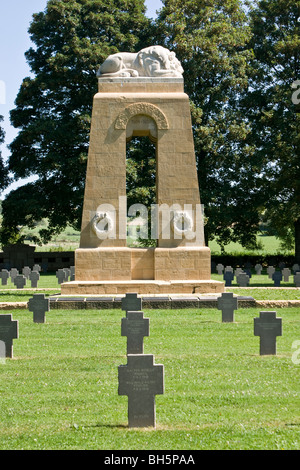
x,y
108,426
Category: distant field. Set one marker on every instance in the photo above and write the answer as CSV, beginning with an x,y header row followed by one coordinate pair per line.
x,y
270,246
68,240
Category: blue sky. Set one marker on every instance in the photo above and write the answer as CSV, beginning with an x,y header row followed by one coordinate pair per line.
x,y
15,17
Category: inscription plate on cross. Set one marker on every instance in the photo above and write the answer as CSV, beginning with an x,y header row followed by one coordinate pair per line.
x,y
135,327
9,330
268,327
141,380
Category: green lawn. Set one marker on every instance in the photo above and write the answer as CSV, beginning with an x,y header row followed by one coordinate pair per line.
x,y
60,390
269,245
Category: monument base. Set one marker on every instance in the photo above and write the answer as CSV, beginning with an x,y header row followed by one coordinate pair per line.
x,y
141,287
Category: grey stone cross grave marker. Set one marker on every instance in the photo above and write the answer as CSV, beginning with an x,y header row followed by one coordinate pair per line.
x,y
2,352
238,271
67,273
72,273
37,268
26,271
220,268
228,268
295,268
227,303
286,272
270,271
34,277
268,327
20,281
61,276
258,269
8,332
228,278
297,279
4,277
131,302
242,280
277,278
135,327
141,380
13,273
39,305
248,272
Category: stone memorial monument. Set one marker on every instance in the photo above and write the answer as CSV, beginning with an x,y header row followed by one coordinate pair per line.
x,y
142,95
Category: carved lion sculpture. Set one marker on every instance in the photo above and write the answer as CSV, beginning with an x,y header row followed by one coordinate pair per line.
x,y
154,61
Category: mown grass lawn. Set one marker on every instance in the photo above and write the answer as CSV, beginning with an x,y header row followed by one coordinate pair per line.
x,y
60,391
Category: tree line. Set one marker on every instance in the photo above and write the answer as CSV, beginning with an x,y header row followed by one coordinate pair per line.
x,y
241,61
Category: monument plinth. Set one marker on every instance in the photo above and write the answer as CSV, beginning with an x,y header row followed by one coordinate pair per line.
x,y
128,105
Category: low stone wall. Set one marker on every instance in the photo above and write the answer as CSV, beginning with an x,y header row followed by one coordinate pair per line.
x,y
167,302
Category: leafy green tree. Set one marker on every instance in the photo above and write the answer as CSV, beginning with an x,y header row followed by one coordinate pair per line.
x,y
53,109
274,115
4,180
141,172
141,177
210,39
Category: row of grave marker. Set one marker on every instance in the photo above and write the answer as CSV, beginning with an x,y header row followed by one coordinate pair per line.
x,y
243,276
134,326
267,326
33,275
141,379
220,268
